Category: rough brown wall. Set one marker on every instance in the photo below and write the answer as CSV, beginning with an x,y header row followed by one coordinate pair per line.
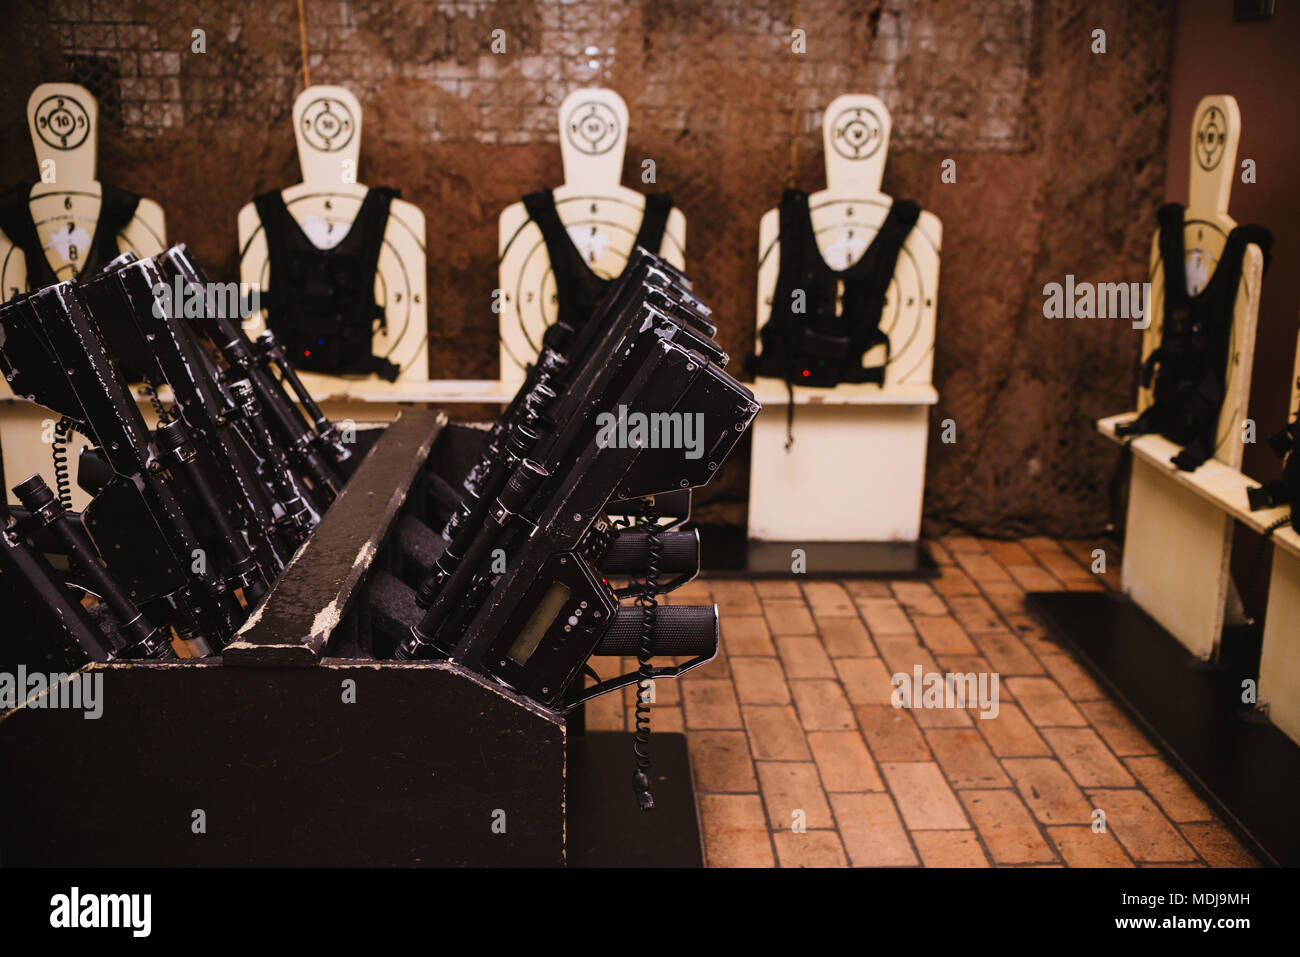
x,y
1059,159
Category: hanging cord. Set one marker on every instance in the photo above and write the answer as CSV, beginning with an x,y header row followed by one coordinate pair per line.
x,y
648,602
1257,561
1115,493
794,99
59,453
302,38
790,179
789,413
1256,565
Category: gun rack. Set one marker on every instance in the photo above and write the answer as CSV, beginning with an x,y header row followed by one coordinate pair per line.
x,y
297,747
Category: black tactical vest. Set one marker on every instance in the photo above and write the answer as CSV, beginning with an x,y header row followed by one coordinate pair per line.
x,y
1190,366
816,347
578,290
116,210
321,304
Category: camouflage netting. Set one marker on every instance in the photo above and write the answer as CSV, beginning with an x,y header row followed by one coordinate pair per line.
x,y
1059,158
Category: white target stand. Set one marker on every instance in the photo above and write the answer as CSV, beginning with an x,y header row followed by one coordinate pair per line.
x,y
1178,536
601,215
327,127
856,471
63,121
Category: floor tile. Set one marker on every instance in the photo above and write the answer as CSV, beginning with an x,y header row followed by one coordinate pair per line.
x,y
950,849
775,733
966,759
924,798
760,681
872,830
792,792
735,831
1007,827
721,761
844,762
1139,825
810,849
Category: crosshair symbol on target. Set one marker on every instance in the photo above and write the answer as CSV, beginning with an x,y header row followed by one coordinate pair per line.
x,y
62,122
1211,138
593,128
856,133
327,124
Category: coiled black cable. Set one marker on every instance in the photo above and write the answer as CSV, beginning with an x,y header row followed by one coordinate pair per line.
x,y
648,602
1257,561
164,416
59,453
1284,520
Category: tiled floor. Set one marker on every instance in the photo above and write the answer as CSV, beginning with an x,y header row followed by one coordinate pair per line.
x,y
801,760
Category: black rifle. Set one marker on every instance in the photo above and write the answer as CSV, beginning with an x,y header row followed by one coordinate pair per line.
x,y
140,639
201,435
626,340
33,593
528,627
54,354
565,350
560,387
315,453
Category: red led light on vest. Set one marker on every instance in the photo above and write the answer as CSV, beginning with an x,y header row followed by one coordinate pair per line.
x,y
806,373
307,352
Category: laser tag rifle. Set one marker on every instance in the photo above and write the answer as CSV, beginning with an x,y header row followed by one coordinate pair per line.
x,y
301,492
134,636
36,595
627,340
534,626
260,511
53,353
564,349
315,450
561,386
497,639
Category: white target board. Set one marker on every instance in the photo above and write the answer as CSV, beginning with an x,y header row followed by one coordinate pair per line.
x,y
867,437
846,217
327,128
1206,225
601,215
1177,543
62,119
65,201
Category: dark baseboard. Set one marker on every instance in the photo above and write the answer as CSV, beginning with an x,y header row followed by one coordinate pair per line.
x,y
726,552
605,826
